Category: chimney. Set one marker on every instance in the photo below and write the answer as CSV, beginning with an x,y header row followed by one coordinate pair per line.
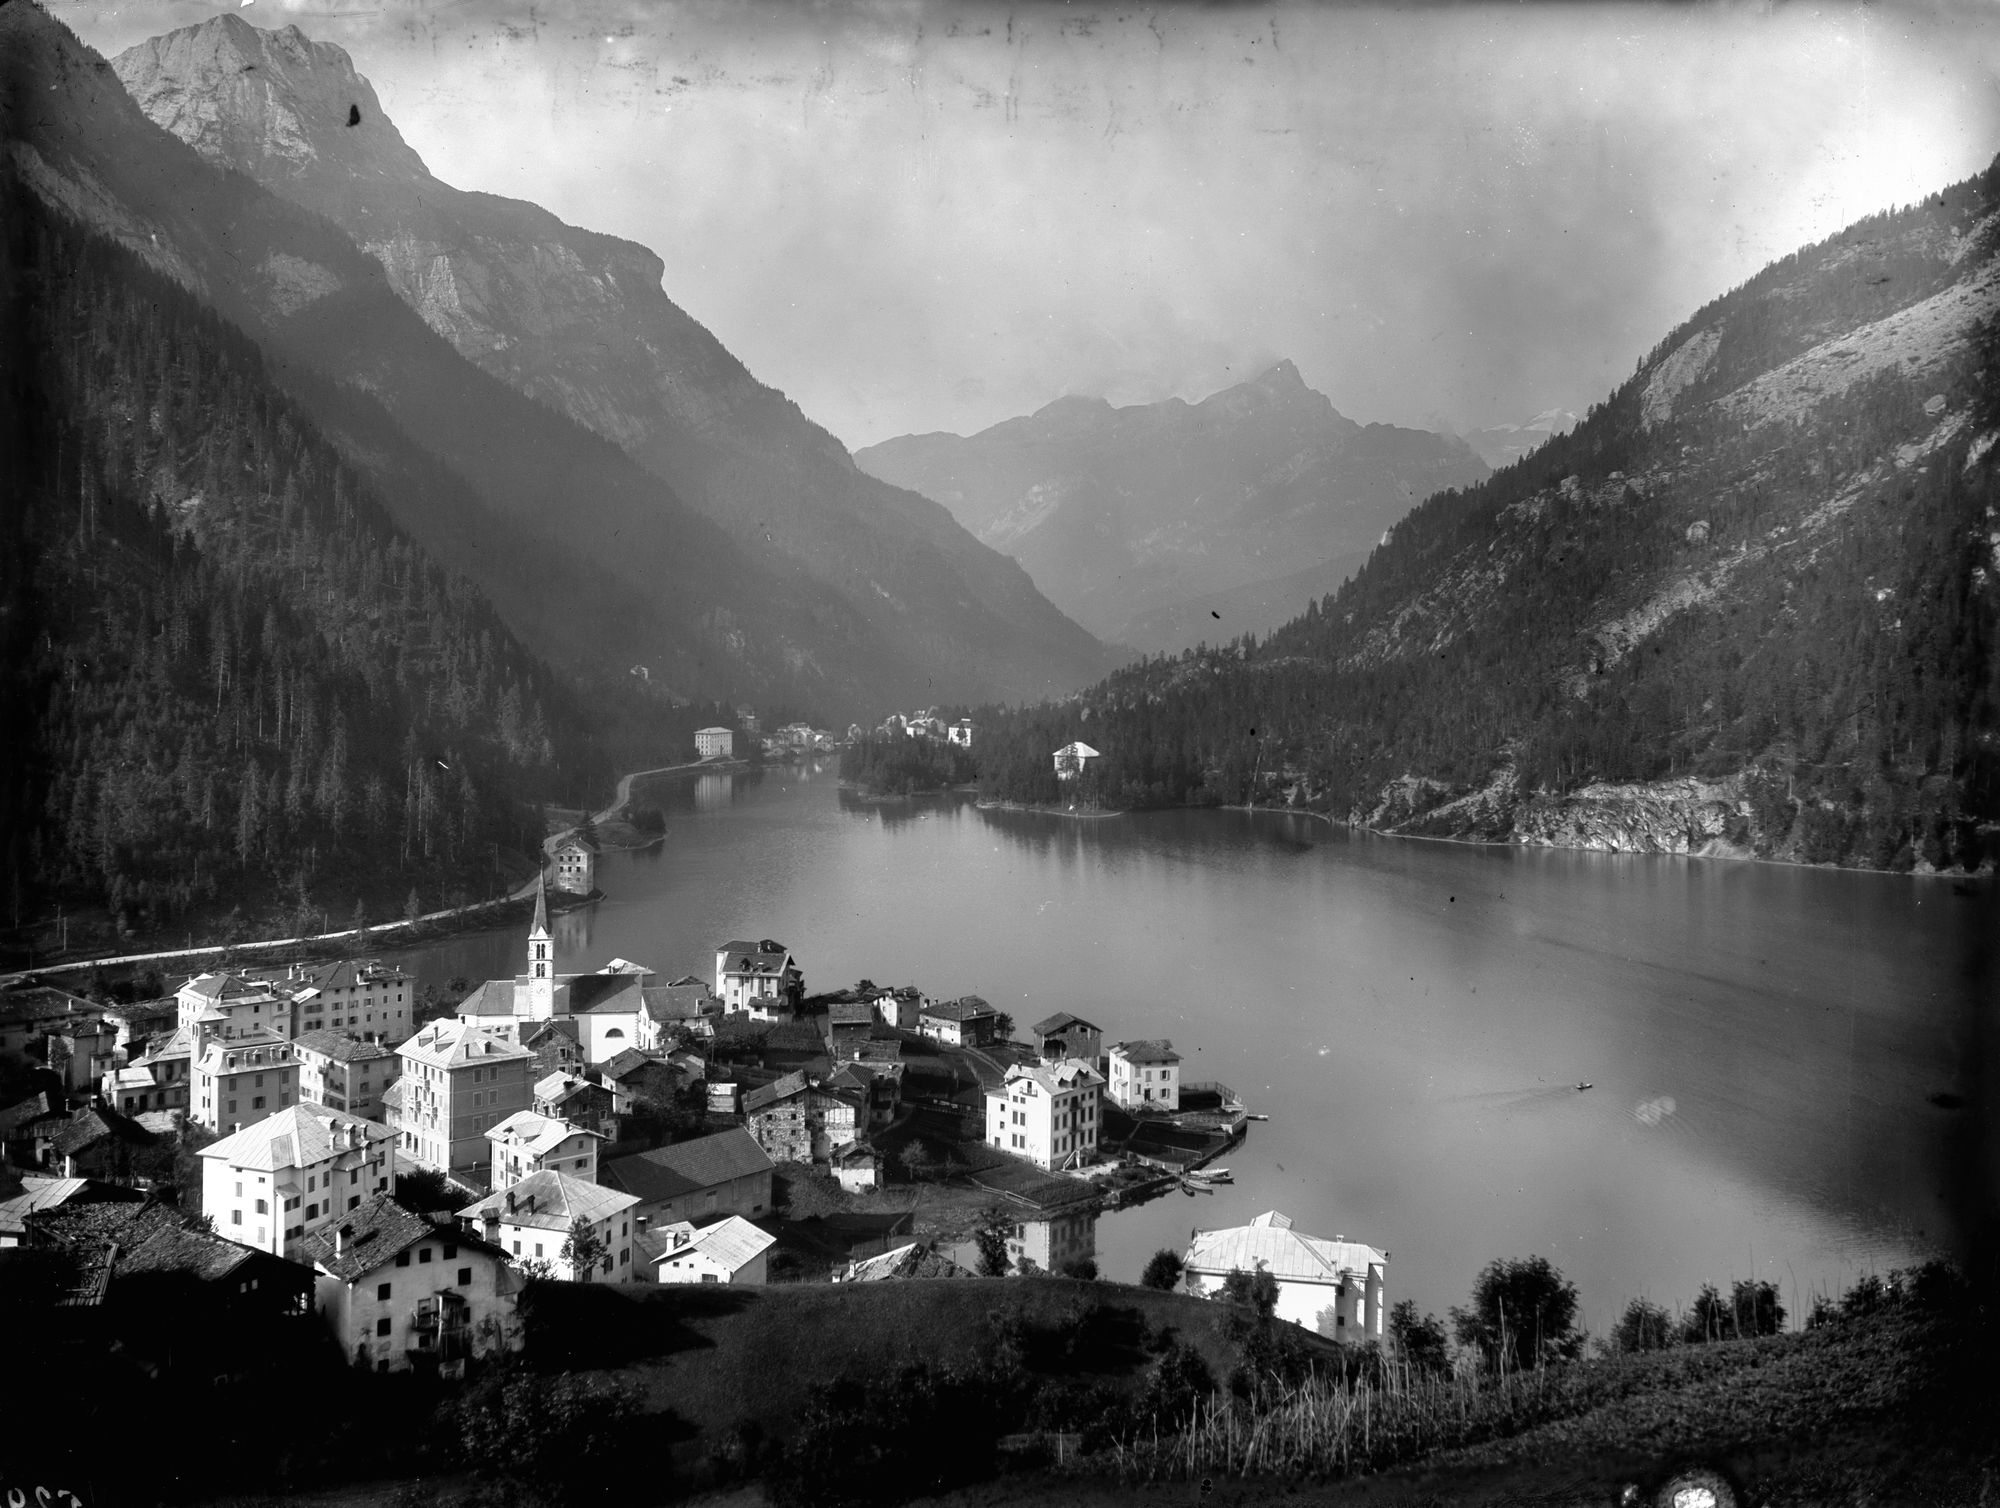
x,y
510,1201
340,1236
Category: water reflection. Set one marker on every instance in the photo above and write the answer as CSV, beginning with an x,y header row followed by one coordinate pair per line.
x,y
1045,1245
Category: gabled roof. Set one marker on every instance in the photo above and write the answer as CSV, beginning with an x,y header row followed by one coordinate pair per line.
x,y
559,1086
631,1060
680,1001
341,1047
1061,1021
1270,1242
550,1200
372,1235
35,1195
576,837
1059,1077
34,1002
538,1135
764,957
93,1127
452,1044
668,1172
152,1238
731,1244
850,1013
920,1259
970,1008
771,1094
179,1043
1077,750
493,998
1155,1050
535,1033
297,1137
35,1107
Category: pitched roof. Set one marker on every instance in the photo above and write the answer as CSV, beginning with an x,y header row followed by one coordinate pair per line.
x,y
967,1009
538,1135
535,1033
609,994
559,1086
1061,1021
732,1244
550,1200
36,1194
179,1043
452,1044
95,1125
541,921
850,1013
1270,1242
920,1259
680,1001
576,837
33,1002
631,1060
297,1137
35,1107
1059,1077
764,957
374,1233
1153,1050
1078,750
493,998
684,1167
770,1094
151,1237
341,1047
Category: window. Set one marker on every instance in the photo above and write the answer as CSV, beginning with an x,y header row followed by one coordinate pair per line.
x,y
517,1248
312,1182
257,1103
262,1208
312,1212
232,1107
465,1277
538,1248
353,1177
450,1252
709,1277
423,1255
236,1217
354,1201
239,1188
382,1328
402,1259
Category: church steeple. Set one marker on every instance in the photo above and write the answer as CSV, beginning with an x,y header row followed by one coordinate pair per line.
x,y
540,993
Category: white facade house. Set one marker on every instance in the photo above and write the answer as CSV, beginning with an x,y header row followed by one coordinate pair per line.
x,y
232,1005
274,1184
1335,1287
729,1251
714,743
395,1288
340,1070
365,997
759,977
526,1143
1072,758
960,733
458,1082
238,1081
1144,1075
533,1220
575,860
1047,1113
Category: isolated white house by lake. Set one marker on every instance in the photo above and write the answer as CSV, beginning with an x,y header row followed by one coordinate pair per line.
x,y
1144,1075
1334,1287
1071,759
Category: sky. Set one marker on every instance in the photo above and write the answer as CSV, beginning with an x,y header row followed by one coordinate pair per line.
x,y
916,216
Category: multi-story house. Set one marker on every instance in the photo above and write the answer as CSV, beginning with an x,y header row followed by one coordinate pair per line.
x,y
565,1097
276,1183
796,1120
1046,1113
458,1082
344,1072
157,1079
575,860
714,743
901,1007
527,1143
363,997
396,1288
1145,1075
234,1005
82,1053
236,1081
729,1251
534,1221
29,1012
970,1022
759,977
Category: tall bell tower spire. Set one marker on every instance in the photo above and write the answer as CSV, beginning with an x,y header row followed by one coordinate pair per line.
x,y
541,981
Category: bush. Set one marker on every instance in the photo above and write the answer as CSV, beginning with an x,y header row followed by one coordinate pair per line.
x,y
1644,1326
1523,1313
1421,1342
1163,1271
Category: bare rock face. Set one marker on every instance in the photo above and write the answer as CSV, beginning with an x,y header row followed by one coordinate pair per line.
x,y
579,321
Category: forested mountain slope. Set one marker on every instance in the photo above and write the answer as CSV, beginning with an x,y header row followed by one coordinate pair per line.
x,y
579,322
1163,524
1748,605
231,680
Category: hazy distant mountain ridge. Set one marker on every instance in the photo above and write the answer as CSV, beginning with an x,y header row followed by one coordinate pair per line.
x,y
1127,517
1750,604
579,321
1503,444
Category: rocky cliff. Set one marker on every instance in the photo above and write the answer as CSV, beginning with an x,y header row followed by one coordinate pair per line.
x,y
1164,524
580,321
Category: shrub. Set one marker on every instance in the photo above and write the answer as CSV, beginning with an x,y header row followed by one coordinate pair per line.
x,y
1163,1270
1523,1313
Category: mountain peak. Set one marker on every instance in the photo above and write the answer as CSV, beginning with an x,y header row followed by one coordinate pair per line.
x,y
240,95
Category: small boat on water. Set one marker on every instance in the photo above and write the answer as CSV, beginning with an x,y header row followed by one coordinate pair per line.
x,y
1582,1085
1252,1115
1210,1175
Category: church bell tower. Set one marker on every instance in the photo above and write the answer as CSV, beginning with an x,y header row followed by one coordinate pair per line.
x,y
541,981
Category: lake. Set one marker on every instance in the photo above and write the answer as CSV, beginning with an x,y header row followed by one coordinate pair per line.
x,y
1762,1040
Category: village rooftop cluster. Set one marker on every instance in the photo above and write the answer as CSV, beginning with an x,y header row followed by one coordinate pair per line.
x,y
607,1127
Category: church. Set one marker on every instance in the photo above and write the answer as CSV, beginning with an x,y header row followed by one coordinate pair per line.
x,y
617,1008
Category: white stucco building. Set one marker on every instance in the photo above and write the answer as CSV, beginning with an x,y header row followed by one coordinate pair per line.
x,y
1144,1075
277,1182
1047,1113
1336,1287
533,1219
458,1082
729,1251
527,1143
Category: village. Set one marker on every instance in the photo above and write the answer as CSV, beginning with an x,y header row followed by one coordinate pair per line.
x,y
321,1139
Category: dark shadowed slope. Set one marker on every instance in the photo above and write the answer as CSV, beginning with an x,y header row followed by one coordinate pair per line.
x,y
579,321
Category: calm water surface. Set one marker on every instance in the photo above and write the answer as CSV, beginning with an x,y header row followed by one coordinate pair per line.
x,y
1414,1017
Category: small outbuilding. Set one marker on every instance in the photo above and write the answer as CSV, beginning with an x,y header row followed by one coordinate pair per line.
x,y
1072,758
